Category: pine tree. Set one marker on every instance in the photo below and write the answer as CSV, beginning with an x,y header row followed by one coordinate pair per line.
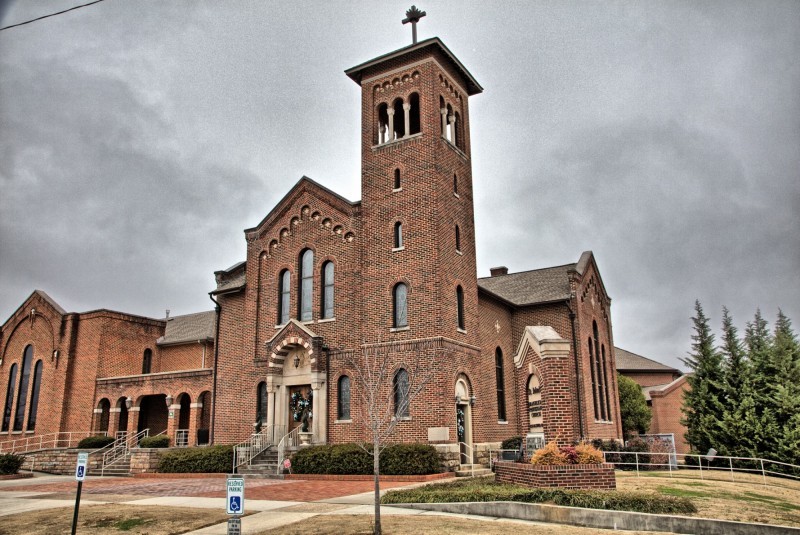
x,y
786,360
702,403
758,342
738,415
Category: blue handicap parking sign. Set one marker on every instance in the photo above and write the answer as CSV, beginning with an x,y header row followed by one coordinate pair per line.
x,y
235,504
80,471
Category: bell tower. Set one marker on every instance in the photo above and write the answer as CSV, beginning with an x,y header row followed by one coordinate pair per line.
x,y
416,186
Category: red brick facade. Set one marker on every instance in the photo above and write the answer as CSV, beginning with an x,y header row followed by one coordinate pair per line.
x,y
571,476
416,172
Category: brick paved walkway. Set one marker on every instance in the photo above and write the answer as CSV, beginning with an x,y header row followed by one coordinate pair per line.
x,y
214,487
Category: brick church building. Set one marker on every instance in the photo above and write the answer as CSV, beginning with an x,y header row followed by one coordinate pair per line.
x,y
328,281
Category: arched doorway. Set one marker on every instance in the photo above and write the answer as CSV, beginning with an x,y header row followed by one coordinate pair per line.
x,y
153,414
182,433
464,419
122,422
535,438
204,424
103,411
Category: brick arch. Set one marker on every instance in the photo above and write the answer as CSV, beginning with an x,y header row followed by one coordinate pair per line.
x,y
282,349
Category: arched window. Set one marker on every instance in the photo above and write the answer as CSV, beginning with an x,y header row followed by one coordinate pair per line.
x,y
396,179
499,377
413,114
460,305
383,124
37,383
595,386
399,121
458,140
602,385
398,235
455,183
306,284
25,377
401,390
284,296
458,238
261,403
343,410
12,383
400,305
327,291
607,399
147,361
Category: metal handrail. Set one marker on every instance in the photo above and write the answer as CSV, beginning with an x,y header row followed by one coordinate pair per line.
x,y
63,439
289,440
471,456
253,446
122,447
640,457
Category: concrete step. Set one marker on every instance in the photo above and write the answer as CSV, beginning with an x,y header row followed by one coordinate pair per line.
x,y
469,471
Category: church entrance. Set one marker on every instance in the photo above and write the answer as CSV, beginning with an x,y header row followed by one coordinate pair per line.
x,y
464,422
301,402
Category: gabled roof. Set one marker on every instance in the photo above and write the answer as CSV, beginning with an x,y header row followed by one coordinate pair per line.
x,y
530,287
662,390
231,279
631,362
473,87
196,327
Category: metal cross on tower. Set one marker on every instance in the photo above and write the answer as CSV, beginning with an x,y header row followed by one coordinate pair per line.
x,y
413,15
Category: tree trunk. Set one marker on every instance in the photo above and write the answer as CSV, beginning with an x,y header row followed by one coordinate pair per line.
x,y
376,456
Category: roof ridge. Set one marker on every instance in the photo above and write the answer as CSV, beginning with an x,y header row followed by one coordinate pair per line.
x,y
526,271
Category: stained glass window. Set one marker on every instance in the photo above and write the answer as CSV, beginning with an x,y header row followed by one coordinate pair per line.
x,y
343,412
400,305
501,397
12,383
401,390
285,295
327,293
19,417
306,284
37,383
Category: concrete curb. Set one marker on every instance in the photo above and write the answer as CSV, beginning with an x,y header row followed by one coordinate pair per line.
x,y
597,518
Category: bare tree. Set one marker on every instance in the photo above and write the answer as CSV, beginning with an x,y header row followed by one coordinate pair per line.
x,y
385,393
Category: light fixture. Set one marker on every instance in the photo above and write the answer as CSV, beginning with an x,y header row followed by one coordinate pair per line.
x,y
128,403
169,400
458,399
296,360
472,400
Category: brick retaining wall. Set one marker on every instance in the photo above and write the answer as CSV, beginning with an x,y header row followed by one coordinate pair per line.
x,y
569,476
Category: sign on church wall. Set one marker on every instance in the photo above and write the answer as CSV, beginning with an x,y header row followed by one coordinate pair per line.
x,y
535,437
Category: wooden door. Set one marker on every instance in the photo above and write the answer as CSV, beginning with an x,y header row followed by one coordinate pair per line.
x,y
300,404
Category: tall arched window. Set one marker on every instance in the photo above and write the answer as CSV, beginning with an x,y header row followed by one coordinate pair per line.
x,y
327,291
595,388
400,305
398,235
12,383
306,285
455,183
284,297
37,383
413,119
25,377
607,399
147,361
343,391
602,385
261,403
401,391
383,124
460,305
103,408
399,120
396,179
499,378
458,238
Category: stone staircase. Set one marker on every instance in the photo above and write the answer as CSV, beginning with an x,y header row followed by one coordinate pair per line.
x,y
263,465
469,470
119,468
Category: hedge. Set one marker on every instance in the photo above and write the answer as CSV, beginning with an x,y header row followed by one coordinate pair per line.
x,y
158,441
10,463
211,460
351,459
512,443
487,490
95,442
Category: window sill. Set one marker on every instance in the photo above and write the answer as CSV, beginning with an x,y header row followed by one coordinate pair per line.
x,y
462,331
606,422
402,418
395,190
281,326
326,320
456,195
396,141
458,252
398,329
343,421
307,322
395,249
502,422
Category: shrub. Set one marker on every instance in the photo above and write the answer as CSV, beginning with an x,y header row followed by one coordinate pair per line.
x,y
587,454
158,441
10,463
351,459
513,443
95,442
211,460
549,455
486,490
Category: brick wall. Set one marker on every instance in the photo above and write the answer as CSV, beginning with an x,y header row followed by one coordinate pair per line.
x,y
573,476
666,407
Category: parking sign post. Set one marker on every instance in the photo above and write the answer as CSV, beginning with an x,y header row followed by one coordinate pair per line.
x,y
235,503
80,475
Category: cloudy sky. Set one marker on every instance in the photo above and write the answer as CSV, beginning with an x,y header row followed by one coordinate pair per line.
x,y
138,140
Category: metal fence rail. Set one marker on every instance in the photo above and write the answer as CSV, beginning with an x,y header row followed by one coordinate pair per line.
x,y
66,439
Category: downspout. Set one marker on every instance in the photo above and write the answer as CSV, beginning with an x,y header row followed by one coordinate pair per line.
x,y
578,378
218,310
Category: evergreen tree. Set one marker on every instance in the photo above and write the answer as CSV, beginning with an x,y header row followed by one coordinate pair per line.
x,y
786,402
702,403
633,409
738,415
758,341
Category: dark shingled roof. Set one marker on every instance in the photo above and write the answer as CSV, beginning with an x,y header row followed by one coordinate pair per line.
x,y
530,287
632,362
189,328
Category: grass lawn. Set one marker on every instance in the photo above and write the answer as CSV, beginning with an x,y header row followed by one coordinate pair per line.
x,y
112,519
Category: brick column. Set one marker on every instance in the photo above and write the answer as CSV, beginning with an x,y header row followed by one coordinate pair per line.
x,y
195,414
113,421
133,421
173,418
